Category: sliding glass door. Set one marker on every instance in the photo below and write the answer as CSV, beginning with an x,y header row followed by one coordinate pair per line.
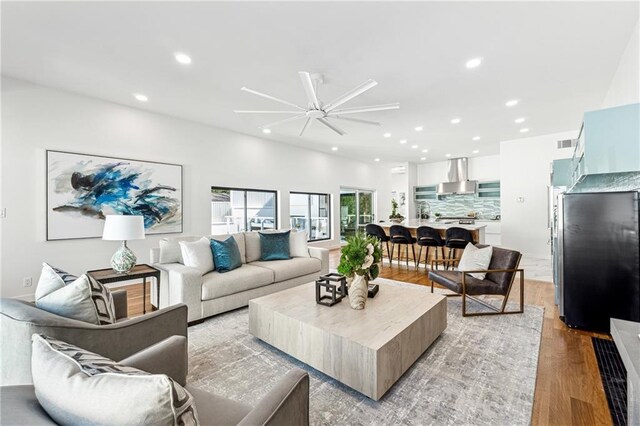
x,y
356,210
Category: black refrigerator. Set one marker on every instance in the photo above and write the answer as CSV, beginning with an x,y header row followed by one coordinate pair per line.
x,y
600,251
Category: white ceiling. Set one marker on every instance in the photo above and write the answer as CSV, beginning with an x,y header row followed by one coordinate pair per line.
x,y
556,58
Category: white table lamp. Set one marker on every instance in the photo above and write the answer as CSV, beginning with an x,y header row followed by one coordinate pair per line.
x,y
123,228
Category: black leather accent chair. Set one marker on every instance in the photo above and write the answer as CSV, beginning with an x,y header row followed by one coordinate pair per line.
x,y
377,231
456,238
498,281
428,237
402,236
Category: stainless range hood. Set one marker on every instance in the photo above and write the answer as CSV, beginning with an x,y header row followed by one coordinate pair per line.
x,y
458,178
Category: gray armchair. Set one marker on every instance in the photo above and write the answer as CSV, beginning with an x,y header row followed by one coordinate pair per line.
x,y
286,404
20,319
498,281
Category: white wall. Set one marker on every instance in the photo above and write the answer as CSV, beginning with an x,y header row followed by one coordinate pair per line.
x,y
524,172
486,167
37,118
625,85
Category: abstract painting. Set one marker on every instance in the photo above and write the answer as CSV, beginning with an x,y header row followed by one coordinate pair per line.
x,y
82,189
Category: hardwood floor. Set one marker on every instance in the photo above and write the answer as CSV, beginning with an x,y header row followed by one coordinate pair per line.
x,y
568,387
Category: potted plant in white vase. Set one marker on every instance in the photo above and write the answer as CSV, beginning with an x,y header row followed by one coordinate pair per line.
x,y
395,217
359,261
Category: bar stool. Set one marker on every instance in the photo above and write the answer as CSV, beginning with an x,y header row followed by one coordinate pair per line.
x,y
457,238
401,235
428,237
377,231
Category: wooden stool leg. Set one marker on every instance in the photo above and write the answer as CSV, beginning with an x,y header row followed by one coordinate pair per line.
x,y
413,251
420,256
388,252
393,247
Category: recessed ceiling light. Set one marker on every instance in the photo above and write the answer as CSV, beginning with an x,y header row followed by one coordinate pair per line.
x,y
414,146
455,121
183,58
376,159
447,155
525,130
403,141
418,129
473,63
334,148
267,131
423,158
425,150
519,120
140,97
475,151
476,138
387,135
512,102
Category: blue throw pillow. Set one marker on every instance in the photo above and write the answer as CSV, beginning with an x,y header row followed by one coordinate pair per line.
x,y
226,255
274,245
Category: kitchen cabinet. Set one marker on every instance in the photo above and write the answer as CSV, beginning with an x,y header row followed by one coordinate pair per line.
x,y
489,189
492,232
426,193
609,142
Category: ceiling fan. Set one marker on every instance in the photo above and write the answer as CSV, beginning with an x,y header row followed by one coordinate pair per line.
x,y
317,110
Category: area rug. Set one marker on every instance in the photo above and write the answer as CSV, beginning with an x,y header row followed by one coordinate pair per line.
x,y
480,371
614,378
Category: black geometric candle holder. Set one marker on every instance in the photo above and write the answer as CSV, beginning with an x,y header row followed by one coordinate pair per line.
x,y
330,289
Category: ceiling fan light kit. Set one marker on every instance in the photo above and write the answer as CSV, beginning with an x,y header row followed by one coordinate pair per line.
x,y
316,110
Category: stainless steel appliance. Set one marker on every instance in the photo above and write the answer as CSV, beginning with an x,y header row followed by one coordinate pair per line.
x,y
599,241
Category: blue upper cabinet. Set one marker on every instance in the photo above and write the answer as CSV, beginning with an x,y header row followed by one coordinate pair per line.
x,y
561,172
609,141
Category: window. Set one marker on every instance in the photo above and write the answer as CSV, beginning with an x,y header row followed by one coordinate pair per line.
x,y
238,209
311,213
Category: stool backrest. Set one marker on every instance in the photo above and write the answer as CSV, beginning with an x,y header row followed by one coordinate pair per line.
x,y
399,233
458,234
427,233
375,231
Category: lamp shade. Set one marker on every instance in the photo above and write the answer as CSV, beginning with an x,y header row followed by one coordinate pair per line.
x,y
123,228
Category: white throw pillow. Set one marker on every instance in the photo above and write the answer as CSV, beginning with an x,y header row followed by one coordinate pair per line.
x,y
170,249
298,244
197,254
475,259
81,298
75,386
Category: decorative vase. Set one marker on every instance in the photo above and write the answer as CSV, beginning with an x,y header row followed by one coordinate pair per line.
x,y
123,260
358,291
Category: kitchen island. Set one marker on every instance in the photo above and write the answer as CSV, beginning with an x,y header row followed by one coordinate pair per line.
x,y
477,230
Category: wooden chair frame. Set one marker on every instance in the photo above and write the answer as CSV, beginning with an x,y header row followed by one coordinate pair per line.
x,y
495,311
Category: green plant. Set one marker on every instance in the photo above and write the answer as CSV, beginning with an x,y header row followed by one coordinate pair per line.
x,y
360,256
437,214
394,210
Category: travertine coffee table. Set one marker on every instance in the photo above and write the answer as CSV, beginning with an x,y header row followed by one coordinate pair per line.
x,y
367,350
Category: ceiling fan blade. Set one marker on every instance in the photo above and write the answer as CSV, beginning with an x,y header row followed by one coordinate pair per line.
x,y
331,126
273,98
306,125
364,109
286,120
237,111
307,83
357,120
350,95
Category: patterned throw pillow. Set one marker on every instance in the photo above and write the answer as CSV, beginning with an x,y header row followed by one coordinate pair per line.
x,y
81,298
274,246
76,386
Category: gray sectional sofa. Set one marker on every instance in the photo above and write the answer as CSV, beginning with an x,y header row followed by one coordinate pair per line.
x,y
214,293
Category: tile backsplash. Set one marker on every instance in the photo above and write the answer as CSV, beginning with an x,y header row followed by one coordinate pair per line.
x,y
460,205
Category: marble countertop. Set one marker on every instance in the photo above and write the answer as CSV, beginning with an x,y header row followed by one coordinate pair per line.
x,y
414,223
626,335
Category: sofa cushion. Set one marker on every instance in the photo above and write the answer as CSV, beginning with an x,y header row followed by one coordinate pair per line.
x,y
217,409
83,298
226,254
274,245
239,237
20,407
75,386
291,268
252,242
170,249
197,254
244,278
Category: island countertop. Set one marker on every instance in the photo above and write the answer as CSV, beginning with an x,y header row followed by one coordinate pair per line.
x,y
442,224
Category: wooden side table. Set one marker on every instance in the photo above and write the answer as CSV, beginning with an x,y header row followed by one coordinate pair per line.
x,y
143,271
